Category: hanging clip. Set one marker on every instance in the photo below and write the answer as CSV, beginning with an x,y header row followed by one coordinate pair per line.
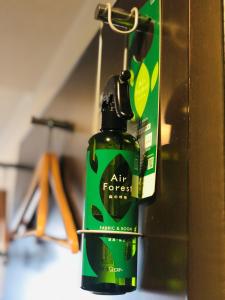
x,y
134,11
121,21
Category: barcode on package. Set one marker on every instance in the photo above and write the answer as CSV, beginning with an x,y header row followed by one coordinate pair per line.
x,y
151,162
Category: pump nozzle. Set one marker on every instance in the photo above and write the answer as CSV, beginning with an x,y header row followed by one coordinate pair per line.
x,y
117,92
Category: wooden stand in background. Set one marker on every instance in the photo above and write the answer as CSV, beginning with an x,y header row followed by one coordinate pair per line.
x,y
3,224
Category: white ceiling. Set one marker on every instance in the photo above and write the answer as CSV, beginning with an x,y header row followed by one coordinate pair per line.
x,y
30,32
40,42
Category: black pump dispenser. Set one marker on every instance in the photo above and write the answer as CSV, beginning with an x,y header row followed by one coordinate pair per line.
x,y
116,109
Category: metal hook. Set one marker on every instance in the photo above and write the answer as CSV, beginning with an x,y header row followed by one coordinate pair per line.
x,y
134,11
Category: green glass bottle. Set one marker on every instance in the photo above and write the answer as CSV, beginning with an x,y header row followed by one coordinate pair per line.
x,y
110,259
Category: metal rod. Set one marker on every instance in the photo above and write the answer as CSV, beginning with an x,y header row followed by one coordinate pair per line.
x,y
16,166
53,123
122,19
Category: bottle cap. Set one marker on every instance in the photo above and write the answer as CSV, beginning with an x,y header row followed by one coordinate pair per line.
x,y
116,109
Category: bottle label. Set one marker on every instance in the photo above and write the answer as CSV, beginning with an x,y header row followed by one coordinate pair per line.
x,y
111,205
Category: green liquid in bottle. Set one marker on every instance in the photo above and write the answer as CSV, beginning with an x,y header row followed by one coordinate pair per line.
x,y
112,258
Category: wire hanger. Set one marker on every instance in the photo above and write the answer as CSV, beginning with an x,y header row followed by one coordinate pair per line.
x,y
134,11
47,173
96,113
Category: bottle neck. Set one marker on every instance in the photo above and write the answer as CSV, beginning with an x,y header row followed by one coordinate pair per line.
x,y
113,130
111,122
